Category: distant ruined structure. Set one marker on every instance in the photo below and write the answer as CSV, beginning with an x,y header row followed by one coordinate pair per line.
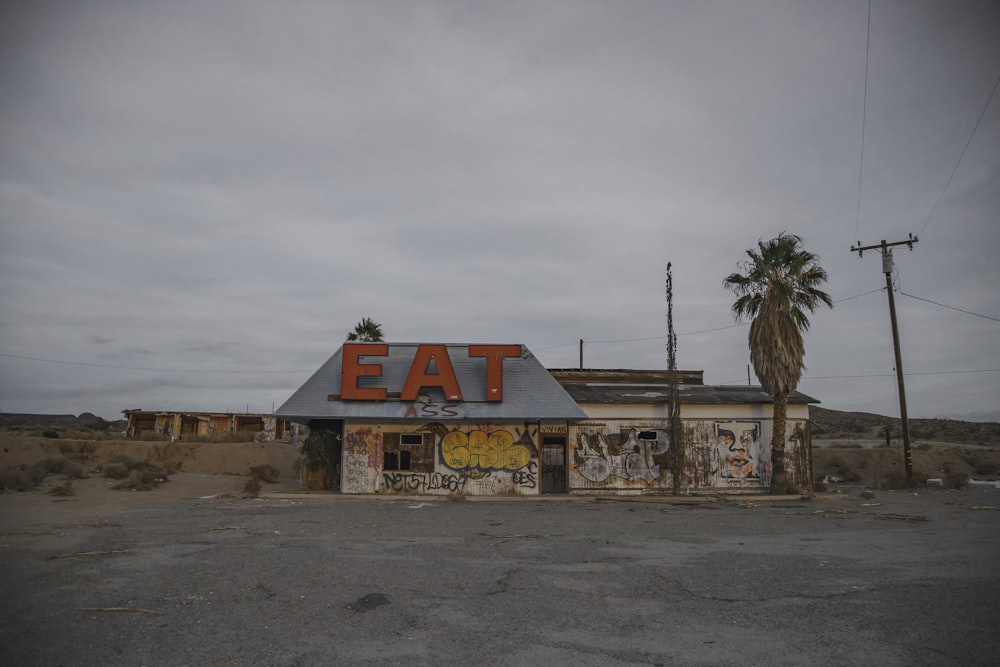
x,y
193,425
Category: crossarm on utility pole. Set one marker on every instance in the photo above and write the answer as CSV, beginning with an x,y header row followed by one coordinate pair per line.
x,y
885,249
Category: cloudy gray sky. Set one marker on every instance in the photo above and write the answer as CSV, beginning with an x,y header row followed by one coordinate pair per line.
x,y
199,200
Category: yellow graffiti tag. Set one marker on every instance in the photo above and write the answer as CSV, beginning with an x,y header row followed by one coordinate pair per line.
x,y
484,451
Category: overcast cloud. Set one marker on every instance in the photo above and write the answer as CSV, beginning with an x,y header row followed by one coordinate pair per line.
x,y
199,200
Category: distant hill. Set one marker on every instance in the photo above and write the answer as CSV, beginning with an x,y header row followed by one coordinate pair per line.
x,y
828,424
27,418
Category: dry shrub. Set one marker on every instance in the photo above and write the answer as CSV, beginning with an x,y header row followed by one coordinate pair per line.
x,y
955,480
65,489
73,470
136,475
252,487
115,471
53,466
899,480
894,480
985,468
838,469
139,480
26,477
17,479
265,473
67,447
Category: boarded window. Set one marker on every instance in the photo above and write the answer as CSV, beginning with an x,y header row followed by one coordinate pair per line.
x,y
407,451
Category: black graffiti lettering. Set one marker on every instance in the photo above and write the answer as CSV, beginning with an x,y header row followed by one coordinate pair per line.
x,y
526,476
423,482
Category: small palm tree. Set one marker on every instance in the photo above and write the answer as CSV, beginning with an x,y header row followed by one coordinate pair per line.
x,y
775,288
366,331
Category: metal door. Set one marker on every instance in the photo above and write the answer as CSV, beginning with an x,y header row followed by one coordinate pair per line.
x,y
553,464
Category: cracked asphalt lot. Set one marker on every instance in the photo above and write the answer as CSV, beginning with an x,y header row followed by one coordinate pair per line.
x,y
904,579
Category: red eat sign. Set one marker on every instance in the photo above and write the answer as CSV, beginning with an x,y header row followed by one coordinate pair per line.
x,y
352,369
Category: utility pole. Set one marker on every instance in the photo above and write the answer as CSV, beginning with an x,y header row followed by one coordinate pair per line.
x,y
676,451
885,250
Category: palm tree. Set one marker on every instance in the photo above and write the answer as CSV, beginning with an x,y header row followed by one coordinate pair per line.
x,y
775,288
366,331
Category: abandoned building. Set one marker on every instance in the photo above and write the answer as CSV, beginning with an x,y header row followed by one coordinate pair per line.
x,y
623,444
491,420
203,425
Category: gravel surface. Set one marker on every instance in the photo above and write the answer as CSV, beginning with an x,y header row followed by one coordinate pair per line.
x,y
165,578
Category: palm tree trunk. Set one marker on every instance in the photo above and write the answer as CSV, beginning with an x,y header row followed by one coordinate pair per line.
x,y
778,480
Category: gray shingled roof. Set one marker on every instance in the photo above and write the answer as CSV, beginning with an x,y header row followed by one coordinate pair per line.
x,y
529,391
614,393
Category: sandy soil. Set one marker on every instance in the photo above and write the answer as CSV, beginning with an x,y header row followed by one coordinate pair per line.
x,y
221,470
871,462
202,470
216,458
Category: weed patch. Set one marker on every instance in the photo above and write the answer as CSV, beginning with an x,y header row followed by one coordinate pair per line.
x,y
955,480
265,473
252,487
64,489
136,475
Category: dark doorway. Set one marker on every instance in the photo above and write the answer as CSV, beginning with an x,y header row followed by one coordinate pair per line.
x,y
553,464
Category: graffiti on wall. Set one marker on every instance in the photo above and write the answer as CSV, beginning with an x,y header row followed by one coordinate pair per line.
x,y
527,476
485,459
483,450
732,453
362,460
739,449
640,458
729,453
367,442
417,482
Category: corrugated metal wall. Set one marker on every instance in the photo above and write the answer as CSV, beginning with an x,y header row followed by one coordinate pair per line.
x,y
467,459
612,456
631,456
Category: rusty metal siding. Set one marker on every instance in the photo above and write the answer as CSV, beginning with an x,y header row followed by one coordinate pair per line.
x,y
463,459
194,425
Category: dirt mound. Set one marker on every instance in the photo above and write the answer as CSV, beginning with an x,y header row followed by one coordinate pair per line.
x,y
216,458
883,466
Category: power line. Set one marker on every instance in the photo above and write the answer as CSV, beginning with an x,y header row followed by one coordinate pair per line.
x,y
886,375
880,289
688,333
955,169
967,312
864,117
880,375
245,371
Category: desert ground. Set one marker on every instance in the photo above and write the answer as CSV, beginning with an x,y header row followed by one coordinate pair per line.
x,y
199,571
